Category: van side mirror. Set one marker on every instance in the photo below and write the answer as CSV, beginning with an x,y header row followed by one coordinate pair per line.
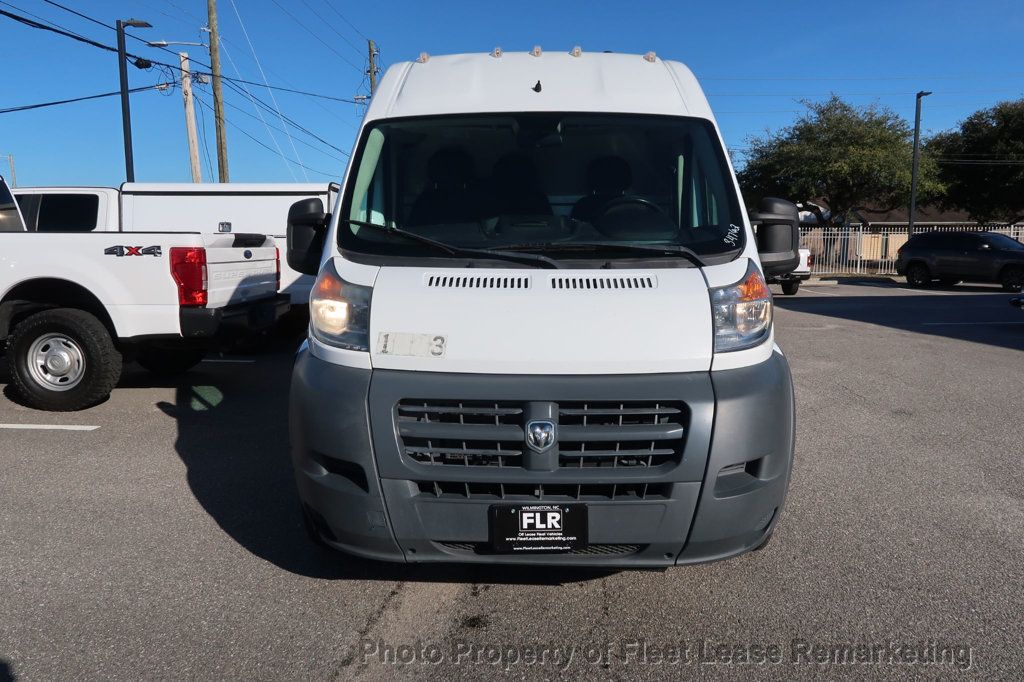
x,y
778,235
307,228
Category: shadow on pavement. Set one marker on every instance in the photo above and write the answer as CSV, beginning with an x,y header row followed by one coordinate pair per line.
x,y
6,674
986,318
233,438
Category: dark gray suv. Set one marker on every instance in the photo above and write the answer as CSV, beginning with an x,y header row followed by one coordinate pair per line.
x,y
954,257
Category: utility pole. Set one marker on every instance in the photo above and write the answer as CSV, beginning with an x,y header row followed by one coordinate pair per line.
x,y
373,65
190,118
126,114
913,170
10,162
218,95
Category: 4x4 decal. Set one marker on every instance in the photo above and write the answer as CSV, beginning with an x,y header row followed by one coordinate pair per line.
x,y
120,251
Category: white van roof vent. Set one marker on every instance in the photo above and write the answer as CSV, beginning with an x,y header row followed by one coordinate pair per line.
x,y
603,282
476,282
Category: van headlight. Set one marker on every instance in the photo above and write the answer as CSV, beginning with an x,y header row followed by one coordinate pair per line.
x,y
742,312
339,311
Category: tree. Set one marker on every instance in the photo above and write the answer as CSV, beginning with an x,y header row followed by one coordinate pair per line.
x,y
850,157
982,163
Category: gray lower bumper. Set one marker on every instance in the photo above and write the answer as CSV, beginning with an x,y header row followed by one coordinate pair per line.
x,y
366,498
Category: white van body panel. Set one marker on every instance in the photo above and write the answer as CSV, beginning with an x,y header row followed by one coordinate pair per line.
x,y
592,328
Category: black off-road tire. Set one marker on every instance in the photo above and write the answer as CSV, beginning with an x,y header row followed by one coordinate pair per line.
x,y
1012,279
790,287
101,361
168,362
918,275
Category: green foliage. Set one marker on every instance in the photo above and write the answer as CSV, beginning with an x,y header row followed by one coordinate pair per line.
x,y
851,157
982,163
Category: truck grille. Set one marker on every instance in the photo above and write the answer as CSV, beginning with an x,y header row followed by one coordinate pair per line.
x,y
590,434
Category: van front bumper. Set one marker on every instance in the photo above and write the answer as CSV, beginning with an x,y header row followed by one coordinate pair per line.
x,y
365,494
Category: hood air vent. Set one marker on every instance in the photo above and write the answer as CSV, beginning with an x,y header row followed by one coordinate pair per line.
x,y
615,282
476,282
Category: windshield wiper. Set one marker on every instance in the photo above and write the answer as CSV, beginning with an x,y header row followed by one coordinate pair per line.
x,y
497,254
663,249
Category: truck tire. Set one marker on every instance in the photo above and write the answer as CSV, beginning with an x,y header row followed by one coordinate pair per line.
x,y
1012,279
62,359
169,361
918,275
790,287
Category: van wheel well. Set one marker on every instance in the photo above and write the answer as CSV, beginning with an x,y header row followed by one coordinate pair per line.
x,y
41,294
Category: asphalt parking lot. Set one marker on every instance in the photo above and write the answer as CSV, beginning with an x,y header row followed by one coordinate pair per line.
x,y
157,535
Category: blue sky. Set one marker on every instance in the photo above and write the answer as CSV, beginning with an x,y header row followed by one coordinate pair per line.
x,y
755,59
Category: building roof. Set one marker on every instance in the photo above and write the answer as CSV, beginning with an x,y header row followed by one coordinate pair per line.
x,y
592,81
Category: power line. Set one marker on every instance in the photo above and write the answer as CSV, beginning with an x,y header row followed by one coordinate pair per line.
x,y
330,26
41,105
317,36
263,75
206,144
345,19
283,131
259,114
290,121
55,28
265,146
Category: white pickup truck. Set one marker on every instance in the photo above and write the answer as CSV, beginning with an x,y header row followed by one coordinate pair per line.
x,y
790,281
207,208
75,304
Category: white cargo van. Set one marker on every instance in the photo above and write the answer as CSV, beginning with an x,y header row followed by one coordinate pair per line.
x,y
208,208
540,331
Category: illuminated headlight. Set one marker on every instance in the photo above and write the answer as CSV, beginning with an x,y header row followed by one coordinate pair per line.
x,y
742,312
339,311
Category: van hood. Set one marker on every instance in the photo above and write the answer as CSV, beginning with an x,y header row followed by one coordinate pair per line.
x,y
541,321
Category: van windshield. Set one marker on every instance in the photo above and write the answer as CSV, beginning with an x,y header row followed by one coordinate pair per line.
x,y
557,184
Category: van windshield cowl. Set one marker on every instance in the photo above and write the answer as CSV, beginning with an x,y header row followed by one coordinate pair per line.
x,y
570,186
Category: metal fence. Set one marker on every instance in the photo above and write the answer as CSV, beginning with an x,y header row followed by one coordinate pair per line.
x,y
871,249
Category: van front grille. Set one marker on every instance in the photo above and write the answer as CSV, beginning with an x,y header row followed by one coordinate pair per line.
x,y
548,492
590,434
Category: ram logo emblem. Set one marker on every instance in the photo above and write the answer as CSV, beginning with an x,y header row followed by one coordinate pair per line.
x,y
540,435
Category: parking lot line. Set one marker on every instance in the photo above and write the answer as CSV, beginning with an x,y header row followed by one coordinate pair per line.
x,y
49,427
821,293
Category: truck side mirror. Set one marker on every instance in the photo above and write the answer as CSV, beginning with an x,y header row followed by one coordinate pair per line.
x,y
307,228
778,235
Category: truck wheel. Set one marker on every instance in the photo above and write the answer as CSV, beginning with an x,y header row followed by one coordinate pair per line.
x,y
1012,279
169,361
918,275
62,359
791,287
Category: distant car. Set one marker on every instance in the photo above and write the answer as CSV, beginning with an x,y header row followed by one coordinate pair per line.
x,y
954,257
791,280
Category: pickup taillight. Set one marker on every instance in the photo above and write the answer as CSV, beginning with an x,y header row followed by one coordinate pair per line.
x,y
188,268
277,262
810,260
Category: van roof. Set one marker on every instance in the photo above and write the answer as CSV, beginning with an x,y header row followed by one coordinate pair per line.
x,y
506,82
